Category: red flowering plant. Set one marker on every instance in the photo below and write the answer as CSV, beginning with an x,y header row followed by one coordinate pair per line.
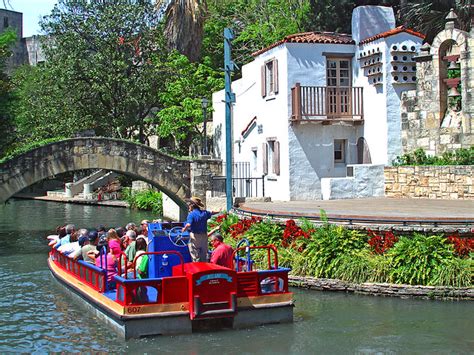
x,y
380,243
462,246
223,221
218,220
242,226
292,233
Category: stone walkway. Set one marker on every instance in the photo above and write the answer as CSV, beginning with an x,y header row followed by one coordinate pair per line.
x,y
76,200
376,209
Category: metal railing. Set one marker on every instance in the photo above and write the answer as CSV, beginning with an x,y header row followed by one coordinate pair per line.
x,y
327,102
242,186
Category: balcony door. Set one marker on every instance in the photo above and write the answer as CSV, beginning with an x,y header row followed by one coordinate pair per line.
x,y
338,95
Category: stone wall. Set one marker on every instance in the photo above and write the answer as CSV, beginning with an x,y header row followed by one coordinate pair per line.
x,y
425,121
436,182
201,172
384,289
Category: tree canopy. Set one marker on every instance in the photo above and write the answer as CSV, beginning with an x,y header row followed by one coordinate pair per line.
x,y
114,66
7,38
104,65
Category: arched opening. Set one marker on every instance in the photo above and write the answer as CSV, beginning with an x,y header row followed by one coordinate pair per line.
x,y
449,84
363,152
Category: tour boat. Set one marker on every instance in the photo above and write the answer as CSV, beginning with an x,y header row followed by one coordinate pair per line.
x,y
182,296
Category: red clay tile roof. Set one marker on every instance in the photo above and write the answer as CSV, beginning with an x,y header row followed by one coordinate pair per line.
x,y
391,33
311,37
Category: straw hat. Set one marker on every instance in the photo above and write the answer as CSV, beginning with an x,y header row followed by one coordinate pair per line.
x,y
196,201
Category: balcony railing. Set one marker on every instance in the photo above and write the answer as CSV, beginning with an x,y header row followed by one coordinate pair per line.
x,y
326,103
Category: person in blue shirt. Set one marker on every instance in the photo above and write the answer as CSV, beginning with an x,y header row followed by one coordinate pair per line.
x,y
70,228
197,225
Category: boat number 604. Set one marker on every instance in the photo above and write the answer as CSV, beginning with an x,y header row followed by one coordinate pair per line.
x,y
133,309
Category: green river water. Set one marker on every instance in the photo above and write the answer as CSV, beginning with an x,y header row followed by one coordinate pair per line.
x,y
37,316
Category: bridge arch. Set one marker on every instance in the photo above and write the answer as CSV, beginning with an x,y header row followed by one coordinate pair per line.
x,y
177,178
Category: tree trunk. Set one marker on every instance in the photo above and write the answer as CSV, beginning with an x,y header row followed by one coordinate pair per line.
x,y
184,26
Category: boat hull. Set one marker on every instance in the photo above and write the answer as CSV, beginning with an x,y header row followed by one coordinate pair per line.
x,y
168,319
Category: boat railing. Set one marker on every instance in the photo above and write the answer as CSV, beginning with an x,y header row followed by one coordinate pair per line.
x,y
165,252
159,290
248,248
251,283
90,274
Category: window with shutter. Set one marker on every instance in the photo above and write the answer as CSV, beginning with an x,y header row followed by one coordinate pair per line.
x,y
269,78
254,159
339,151
272,156
276,158
265,158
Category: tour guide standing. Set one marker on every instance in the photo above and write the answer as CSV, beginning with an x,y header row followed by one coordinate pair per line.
x,y
197,225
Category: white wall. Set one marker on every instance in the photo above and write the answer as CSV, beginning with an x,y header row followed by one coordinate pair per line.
x,y
271,116
375,115
306,149
382,115
368,21
311,154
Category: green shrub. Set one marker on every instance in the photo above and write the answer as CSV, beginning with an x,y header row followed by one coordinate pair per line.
x,y
147,200
461,156
414,260
264,233
457,272
326,244
361,266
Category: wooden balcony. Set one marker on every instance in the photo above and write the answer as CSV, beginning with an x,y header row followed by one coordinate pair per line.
x,y
327,104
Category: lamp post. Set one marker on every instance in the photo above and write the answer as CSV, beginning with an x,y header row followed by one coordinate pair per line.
x,y
229,99
204,103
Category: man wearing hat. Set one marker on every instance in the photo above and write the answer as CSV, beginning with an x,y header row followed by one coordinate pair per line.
x,y
197,225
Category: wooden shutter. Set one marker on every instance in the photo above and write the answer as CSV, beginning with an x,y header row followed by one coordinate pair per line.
x,y
265,158
275,76
276,158
263,80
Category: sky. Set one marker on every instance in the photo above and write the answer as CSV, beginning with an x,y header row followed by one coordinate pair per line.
x,y
32,11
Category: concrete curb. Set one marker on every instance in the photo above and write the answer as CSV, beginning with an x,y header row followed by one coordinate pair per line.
x,y
384,289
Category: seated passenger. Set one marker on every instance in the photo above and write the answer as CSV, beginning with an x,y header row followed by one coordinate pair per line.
x,y
69,229
115,244
131,226
90,245
101,230
106,260
120,232
222,254
141,262
130,250
143,230
141,266
71,246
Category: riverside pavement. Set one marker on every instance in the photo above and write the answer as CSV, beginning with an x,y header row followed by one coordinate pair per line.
x,y
390,209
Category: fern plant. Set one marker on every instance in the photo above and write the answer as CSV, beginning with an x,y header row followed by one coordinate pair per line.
x,y
414,260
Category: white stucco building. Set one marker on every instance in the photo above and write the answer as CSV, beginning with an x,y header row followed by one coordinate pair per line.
x,y
316,106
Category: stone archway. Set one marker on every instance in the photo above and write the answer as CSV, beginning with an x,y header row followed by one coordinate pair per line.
x,y
177,178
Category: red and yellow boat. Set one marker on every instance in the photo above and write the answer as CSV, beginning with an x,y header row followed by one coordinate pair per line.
x,y
182,296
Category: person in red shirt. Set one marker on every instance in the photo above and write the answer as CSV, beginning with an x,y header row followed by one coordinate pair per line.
x,y
222,254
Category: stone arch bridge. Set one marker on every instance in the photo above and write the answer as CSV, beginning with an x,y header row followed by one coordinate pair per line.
x,y
177,178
